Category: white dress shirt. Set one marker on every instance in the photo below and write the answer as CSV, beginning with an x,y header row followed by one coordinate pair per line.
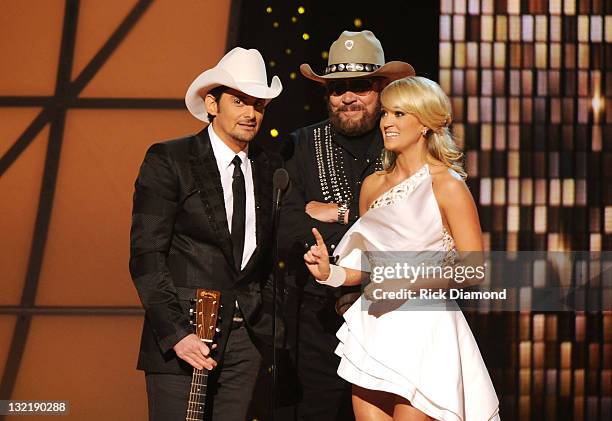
x,y
224,156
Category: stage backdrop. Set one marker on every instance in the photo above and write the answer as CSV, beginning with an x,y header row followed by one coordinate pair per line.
x,y
531,86
85,87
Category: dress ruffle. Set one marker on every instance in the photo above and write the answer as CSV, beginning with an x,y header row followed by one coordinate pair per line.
x,y
429,357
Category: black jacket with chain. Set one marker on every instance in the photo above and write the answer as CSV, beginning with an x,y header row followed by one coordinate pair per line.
x,y
323,166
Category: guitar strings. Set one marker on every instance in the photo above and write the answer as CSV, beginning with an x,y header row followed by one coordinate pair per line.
x,y
197,376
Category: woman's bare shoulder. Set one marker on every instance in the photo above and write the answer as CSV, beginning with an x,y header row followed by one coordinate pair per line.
x,y
374,180
447,183
371,185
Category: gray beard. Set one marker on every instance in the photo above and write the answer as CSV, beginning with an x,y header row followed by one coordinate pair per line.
x,y
351,127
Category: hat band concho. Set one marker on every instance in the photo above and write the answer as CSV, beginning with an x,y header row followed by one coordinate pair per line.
x,y
351,67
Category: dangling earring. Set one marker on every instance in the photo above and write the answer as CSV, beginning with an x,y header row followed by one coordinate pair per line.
x,y
424,133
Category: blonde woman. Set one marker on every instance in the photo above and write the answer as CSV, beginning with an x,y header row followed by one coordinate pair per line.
x,y
407,364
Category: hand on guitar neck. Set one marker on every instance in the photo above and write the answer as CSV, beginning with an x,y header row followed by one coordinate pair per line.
x,y
192,350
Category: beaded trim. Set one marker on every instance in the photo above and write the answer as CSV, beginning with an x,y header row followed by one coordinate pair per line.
x,y
333,177
449,247
400,190
352,67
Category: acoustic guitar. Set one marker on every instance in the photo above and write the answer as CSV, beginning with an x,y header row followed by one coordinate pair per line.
x,y
206,315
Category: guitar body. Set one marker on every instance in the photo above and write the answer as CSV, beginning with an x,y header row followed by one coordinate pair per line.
x,y
206,315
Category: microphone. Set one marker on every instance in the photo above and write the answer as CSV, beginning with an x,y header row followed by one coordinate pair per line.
x,y
280,182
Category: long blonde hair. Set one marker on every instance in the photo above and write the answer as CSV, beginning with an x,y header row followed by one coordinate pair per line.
x,y
424,99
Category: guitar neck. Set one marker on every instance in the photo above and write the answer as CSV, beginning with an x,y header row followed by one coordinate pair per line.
x,y
197,395
207,313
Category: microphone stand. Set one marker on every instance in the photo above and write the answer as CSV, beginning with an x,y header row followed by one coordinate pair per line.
x,y
279,188
275,276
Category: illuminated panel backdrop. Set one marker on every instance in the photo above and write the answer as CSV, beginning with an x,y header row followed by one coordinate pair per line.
x,y
531,84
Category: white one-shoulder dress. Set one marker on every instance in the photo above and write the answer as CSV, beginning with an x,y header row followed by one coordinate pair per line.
x,y
429,357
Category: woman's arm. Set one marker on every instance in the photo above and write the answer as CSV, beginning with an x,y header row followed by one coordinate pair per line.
x,y
459,210
317,262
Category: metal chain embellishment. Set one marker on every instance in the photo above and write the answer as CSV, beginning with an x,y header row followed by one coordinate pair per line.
x,y
330,164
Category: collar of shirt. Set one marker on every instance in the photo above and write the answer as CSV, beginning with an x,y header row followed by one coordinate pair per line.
x,y
224,155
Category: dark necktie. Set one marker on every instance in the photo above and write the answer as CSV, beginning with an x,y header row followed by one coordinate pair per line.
x,y
239,212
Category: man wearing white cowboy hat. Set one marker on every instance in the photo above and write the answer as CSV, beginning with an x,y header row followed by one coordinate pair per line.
x,y
201,219
327,163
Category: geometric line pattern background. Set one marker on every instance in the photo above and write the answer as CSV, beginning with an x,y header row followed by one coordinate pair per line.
x,y
98,82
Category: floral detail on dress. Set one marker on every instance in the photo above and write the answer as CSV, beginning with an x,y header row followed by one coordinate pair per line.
x,y
401,190
449,247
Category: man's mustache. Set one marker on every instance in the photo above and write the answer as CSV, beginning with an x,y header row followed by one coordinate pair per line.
x,y
351,107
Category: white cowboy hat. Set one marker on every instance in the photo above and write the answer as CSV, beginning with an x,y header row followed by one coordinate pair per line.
x,y
358,54
240,69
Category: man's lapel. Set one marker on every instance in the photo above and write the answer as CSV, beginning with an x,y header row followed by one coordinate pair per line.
x,y
208,182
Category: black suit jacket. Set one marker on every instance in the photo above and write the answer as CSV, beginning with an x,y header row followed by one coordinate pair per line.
x,y
180,241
